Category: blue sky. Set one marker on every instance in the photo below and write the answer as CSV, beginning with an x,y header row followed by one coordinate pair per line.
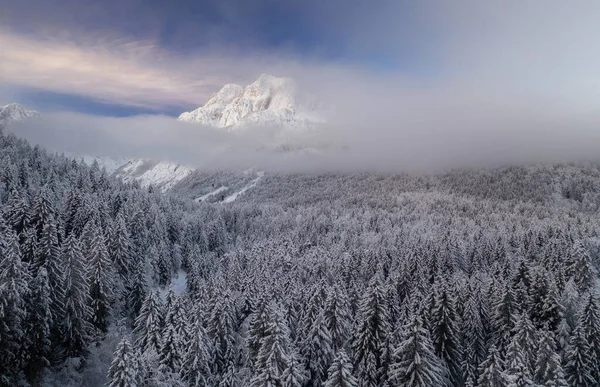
x,y
129,57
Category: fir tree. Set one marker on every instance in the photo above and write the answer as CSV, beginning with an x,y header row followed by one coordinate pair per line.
x,y
318,352
491,370
100,280
415,363
123,370
196,368
295,374
76,328
221,328
14,291
120,249
39,323
273,357
589,321
148,324
581,268
340,372
517,372
548,369
444,333
370,342
337,317
580,367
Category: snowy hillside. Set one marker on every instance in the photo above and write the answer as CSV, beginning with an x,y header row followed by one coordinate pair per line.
x,y
15,112
269,101
162,175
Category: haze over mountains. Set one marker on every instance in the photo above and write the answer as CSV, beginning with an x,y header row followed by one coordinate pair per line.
x,y
269,102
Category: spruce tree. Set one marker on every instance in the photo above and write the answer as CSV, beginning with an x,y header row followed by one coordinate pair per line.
x,y
100,281
580,267
14,292
196,367
221,329
548,368
371,337
295,374
120,249
337,317
148,324
445,334
39,323
76,328
123,371
581,366
589,320
491,371
517,372
415,363
274,355
340,372
317,351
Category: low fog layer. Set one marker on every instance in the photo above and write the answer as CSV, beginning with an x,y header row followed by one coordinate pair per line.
x,y
403,128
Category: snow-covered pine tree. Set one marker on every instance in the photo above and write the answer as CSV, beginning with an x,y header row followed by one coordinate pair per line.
x,y
99,274
259,323
274,355
415,363
581,366
221,329
337,317
123,371
580,267
340,372
14,293
473,339
39,321
317,351
548,368
294,375
196,367
76,328
527,338
517,371
445,333
120,248
148,324
371,337
491,371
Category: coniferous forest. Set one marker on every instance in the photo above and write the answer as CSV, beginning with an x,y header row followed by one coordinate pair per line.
x,y
469,278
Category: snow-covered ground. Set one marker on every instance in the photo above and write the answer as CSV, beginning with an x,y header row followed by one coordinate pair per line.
x,y
215,192
178,284
163,175
235,195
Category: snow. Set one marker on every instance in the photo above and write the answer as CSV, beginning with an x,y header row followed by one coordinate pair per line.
x,y
215,192
178,284
269,101
15,112
235,195
162,174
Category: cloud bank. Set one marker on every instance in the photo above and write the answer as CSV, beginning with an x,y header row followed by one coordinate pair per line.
x,y
463,83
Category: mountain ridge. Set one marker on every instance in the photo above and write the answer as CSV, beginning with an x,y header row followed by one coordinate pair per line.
x,y
269,101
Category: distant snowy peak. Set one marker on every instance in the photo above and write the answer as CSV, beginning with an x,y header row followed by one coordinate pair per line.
x,y
15,112
269,101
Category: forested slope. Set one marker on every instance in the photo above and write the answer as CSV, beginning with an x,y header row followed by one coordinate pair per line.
x,y
469,278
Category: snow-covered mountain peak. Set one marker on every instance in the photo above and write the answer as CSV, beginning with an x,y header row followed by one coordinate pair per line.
x,y
15,112
268,101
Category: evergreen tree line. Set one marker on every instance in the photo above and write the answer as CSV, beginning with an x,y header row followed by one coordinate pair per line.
x,y
305,281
